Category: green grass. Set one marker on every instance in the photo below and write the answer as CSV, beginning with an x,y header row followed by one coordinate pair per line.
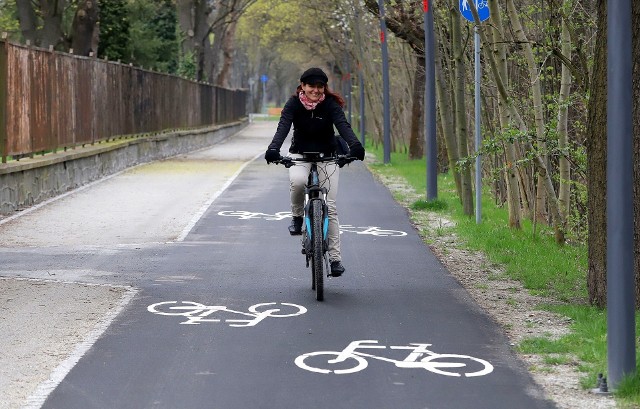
x,y
534,259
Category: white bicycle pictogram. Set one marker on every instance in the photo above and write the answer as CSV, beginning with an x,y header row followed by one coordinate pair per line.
x,y
372,230
480,4
197,313
349,360
245,215
344,228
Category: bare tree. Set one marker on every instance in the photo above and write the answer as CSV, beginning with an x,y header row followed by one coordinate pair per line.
x,y
460,106
405,24
496,52
86,28
207,33
46,30
564,193
597,167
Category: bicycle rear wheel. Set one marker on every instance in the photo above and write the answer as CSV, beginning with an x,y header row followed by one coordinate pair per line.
x,y
317,243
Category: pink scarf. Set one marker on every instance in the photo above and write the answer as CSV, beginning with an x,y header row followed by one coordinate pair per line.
x,y
309,105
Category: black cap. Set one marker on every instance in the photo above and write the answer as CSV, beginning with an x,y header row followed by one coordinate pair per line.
x,y
314,76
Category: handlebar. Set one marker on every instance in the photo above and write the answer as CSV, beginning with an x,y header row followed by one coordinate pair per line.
x,y
340,160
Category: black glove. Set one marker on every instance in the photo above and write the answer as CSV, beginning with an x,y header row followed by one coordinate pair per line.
x,y
357,151
272,155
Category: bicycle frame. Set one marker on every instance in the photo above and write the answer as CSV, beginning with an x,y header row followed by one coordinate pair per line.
x,y
316,216
409,362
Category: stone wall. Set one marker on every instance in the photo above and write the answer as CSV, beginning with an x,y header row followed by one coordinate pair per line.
x,y
30,181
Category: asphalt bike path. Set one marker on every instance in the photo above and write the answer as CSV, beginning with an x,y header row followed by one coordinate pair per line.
x,y
224,317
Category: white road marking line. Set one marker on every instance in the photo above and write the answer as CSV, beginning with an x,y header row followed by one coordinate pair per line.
x,y
209,202
42,392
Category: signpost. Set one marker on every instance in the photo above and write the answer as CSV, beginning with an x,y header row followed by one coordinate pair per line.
x,y
482,8
263,80
431,153
385,84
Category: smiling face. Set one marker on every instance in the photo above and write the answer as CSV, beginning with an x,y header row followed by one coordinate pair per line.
x,y
313,92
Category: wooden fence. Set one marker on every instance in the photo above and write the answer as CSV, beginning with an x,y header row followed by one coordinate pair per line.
x,y
51,100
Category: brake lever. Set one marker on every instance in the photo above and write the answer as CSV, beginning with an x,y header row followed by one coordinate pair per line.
x,y
344,160
287,162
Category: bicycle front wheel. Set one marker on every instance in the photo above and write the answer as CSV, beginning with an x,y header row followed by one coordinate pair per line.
x,y
317,243
468,366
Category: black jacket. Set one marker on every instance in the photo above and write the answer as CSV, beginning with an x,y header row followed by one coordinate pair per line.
x,y
313,130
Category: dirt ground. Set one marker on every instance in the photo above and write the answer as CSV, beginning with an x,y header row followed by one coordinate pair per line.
x,y
46,326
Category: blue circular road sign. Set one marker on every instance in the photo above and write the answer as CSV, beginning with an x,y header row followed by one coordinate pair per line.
x,y
481,5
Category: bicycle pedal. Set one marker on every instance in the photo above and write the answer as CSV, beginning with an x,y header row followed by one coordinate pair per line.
x,y
303,251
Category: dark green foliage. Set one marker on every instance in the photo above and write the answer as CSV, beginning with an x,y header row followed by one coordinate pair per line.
x,y
114,30
140,32
164,26
144,40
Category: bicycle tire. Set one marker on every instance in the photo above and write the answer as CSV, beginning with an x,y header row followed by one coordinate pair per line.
x,y
317,243
176,308
351,367
430,363
278,310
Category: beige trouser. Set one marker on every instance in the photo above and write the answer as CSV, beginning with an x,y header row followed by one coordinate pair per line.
x,y
329,176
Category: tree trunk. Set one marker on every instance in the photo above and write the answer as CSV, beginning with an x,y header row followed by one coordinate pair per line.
x,y
416,139
536,92
460,109
85,28
193,16
28,21
227,52
545,185
498,54
597,167
52,13
564,192
446,119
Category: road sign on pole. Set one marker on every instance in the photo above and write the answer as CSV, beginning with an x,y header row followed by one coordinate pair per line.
x,y
481,5
482,8
431,154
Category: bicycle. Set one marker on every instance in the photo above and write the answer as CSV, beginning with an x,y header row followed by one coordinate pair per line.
x,y
357,360
315,224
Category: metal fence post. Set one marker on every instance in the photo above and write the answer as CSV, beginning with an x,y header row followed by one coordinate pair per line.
x,y
620,276
3,99
385,84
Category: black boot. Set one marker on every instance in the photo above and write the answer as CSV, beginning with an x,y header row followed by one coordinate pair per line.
x,y
296,226
336,268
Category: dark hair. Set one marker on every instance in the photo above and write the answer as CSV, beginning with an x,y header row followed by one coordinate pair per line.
x,y
328,93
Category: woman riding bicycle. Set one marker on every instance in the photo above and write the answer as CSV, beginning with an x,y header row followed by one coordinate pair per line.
x,y
314,110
